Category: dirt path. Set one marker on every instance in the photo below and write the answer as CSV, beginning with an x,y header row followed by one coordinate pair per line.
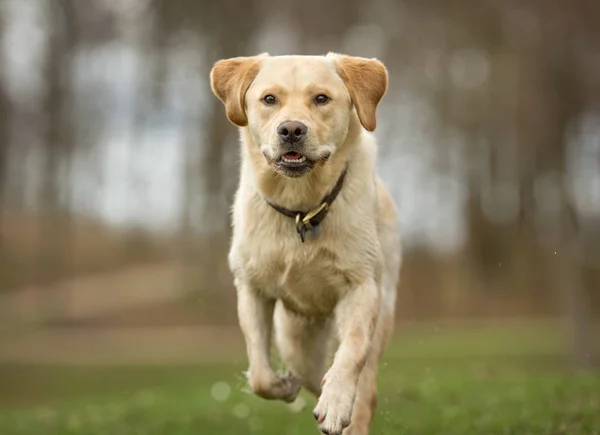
x,y
97,346
100,295
94,295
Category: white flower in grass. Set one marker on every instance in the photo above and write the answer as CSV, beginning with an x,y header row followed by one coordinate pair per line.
x,y
241,410
220,391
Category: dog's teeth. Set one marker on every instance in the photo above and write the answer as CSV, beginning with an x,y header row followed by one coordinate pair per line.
x,y
300,160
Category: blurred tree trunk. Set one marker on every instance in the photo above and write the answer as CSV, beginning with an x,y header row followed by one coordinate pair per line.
x,y
233,40
54,235
219,141
567,103
4,124
204,234
4,149
574,290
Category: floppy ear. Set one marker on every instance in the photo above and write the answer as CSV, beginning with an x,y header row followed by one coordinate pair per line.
x,y
367,81
230,79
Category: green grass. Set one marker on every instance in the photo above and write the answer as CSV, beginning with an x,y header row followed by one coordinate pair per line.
x,y
485,383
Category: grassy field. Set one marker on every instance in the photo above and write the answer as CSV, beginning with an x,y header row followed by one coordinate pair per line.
x,y
471,382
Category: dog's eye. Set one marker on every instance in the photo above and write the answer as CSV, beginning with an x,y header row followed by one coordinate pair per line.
x,y
269,99
321,99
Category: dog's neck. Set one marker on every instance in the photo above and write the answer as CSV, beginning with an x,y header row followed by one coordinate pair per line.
x,y
301,193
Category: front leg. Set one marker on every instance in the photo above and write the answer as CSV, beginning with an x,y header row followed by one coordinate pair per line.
x,y
255,314
356,317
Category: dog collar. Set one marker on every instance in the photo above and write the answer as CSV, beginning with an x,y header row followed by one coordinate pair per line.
x,y
310,221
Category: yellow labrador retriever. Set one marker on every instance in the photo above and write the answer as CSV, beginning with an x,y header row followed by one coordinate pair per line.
x,y
315,250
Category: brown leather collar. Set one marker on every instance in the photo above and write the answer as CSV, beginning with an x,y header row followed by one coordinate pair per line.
x,y
311,220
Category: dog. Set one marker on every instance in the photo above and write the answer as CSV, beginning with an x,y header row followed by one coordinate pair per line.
x,y
315,252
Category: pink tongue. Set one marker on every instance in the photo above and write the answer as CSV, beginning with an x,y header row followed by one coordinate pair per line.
x,y
293,156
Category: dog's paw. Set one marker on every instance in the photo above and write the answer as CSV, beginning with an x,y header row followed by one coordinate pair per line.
x,y
287,386
334,408
278,386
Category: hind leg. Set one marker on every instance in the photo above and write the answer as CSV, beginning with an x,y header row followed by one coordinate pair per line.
x,y
366,397
303,344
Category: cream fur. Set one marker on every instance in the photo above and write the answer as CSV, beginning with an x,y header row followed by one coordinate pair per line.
x,y
342,284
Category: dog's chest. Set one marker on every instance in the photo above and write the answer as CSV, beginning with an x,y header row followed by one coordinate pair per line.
x,y
308,281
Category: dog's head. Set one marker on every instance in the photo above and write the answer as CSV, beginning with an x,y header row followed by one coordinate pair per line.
x,y
299,108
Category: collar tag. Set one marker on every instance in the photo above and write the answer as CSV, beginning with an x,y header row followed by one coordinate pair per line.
x,y
306,227
315,231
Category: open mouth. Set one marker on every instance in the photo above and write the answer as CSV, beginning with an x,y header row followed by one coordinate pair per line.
x,y
293,158
294,163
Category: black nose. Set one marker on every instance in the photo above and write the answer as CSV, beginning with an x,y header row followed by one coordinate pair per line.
x,y
292,131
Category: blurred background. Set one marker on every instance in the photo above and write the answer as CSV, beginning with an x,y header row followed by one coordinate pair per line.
x,y
118,166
